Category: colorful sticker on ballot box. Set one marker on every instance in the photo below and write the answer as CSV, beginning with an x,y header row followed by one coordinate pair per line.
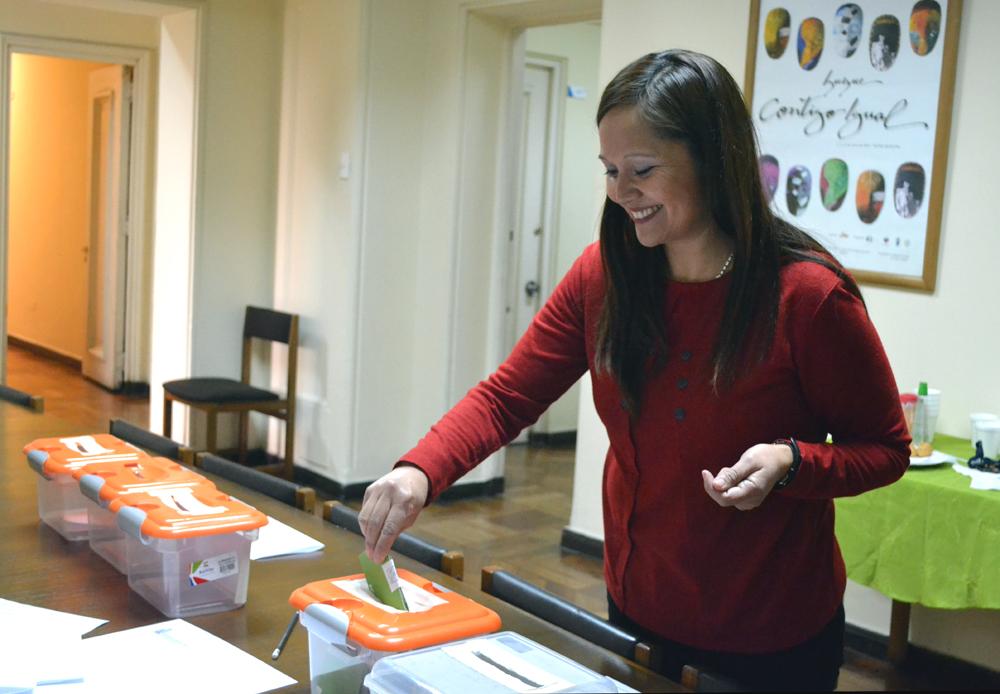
x,y
207,570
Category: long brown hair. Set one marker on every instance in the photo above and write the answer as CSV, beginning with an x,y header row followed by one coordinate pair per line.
x,y
690,98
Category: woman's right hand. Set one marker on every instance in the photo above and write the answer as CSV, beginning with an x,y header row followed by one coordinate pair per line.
x,y
392,504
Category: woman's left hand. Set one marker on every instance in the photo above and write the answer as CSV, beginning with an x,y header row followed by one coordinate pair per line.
x,y
746,484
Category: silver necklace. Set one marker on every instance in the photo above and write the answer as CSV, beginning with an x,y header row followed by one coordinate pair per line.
x,y
729,261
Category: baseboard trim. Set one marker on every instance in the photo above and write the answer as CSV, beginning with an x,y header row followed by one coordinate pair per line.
x,y
43,351
134,389
919,659
558,439
866,641
584,544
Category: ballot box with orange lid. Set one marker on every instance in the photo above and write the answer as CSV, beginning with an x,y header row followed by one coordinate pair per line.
x,y
187,549
106,483
59,462
349,630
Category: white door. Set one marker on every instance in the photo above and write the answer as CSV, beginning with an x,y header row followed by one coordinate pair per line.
x,y
534,174
532,208
110,111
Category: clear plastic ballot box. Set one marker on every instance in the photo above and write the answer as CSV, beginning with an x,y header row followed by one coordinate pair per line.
x,y
187,549
59,462
349,630
107,484
493,664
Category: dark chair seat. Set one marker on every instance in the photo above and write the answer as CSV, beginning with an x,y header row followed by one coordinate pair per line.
x,y
215,395
216,390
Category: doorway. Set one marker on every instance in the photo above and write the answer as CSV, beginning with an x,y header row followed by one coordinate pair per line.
x,y
72,207
556,211
69,132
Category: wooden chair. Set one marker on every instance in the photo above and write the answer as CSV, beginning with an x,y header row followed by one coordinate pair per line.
x,y
449,562
215,395
275,487
148,441
562,613
32,402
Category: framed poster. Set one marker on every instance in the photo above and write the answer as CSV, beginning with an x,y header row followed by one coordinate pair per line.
x,y
852,105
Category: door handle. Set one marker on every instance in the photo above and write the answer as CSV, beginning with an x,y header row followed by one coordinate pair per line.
x,y
531,288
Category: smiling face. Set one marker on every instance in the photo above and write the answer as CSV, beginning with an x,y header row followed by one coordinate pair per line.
x,y
653,179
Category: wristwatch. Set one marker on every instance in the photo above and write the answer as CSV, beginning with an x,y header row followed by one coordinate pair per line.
x,y
796,462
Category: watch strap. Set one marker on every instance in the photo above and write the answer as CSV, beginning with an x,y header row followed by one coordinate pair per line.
x,y
796,462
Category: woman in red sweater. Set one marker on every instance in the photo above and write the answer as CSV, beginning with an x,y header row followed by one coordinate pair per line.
x,y
723,344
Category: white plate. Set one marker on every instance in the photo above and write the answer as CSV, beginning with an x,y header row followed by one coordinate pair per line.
x,y
935,458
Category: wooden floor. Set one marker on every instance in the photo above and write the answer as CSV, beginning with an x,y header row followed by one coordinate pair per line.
x,y
519,530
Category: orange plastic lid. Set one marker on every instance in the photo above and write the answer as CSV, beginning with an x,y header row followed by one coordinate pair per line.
x,y
69,455
375,627
174,513
108,481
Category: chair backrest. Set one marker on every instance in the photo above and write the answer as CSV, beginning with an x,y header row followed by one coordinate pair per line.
x,y
275,487
449,562
697,679
562,613
274,326
32,402
147,440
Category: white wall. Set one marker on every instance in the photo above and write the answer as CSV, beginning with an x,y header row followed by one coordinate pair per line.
x,y
171,263
577,214
239,107
228,262
78,23
323,106
960,362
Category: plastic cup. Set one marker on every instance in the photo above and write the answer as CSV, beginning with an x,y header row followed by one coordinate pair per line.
x,y
989,434
975,418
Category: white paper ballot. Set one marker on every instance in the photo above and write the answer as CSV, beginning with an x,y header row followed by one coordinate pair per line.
x,y
16,616
171,656
278,540
29,636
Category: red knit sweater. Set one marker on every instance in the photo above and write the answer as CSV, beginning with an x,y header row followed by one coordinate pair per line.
x,y
676,562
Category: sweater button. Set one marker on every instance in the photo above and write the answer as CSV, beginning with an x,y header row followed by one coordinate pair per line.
x,y
679,414
682,383
686,355
623,404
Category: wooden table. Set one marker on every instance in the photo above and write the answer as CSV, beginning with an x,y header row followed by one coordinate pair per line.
x,y
41,568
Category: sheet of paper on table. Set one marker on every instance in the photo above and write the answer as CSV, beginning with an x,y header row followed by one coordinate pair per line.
x,y
171,656
16,616
30,636
278,540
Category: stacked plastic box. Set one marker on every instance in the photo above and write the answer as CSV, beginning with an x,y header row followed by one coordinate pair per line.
x,y
349,631
59,463
107,484
184,545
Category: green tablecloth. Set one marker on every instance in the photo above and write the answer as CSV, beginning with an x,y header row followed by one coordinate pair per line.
x,y
926,539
